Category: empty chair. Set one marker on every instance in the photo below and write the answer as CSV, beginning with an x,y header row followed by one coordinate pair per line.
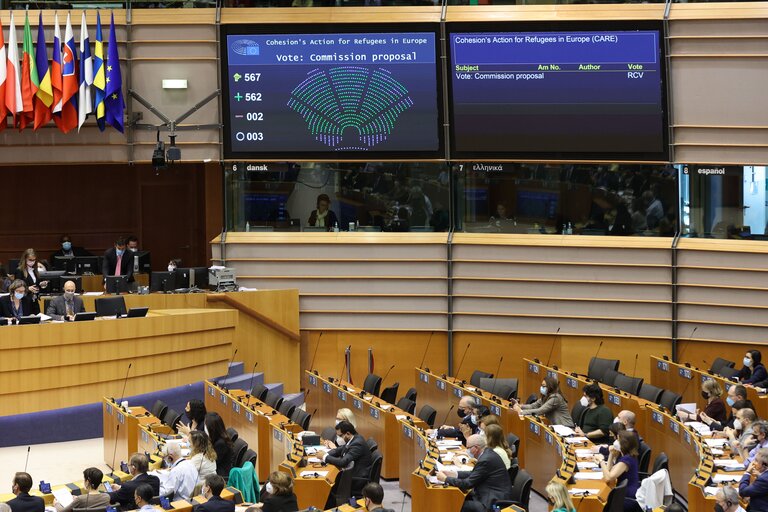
x,y
239,446
577,413
342,488
158,410
669,400
629,384
650,392
171,418
728,373
477,375
232,433
514,442
389,394
609,377
411,394
259,392
301,418
249,456
273,400
372,444
372,384
719,363
428,414
531,398
286,409
503,388
615,501
598,366
408,406
520,493
644,457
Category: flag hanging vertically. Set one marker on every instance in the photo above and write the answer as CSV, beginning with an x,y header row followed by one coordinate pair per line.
x,y
29,78
68,119
113,102
85,103
44,94
99,79
12,83
56,70
3,73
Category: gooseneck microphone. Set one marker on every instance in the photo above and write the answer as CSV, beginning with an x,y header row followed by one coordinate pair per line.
x,y
456,375
125,383
424,357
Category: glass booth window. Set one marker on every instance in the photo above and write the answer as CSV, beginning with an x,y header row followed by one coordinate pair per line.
x,y
337,196
609,199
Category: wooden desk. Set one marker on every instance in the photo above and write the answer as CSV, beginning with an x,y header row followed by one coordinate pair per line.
x,y
426,496
443,392
375,418
95,283
121,431
310,490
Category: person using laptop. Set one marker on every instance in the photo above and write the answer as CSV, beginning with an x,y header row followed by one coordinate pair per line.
x,y
67,305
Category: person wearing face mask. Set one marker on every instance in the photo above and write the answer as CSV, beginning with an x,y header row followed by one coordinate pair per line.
x,y
116,262
488,480
23,502
551,404
559,497
68,250
195,412
736,399
182,475
727,500
753,372
323,217
742,436
622,464
373,497
354,455
202,455
628,419
222,443
715,408
760,430
754,483
343,414
597,418
469,421
132,243
142,496
124,493
18,302
212,487
279,495
66,305
27,271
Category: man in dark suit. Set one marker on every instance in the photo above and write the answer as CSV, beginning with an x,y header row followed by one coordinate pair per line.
x,y
68,250
212,488
373,495
754,483
469,411
489,479
66,306
116,262
354,449
23,502
124,494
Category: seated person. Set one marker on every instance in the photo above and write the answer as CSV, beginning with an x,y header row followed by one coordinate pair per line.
x,y
495,440
715,409
322,217
753,372
468,412
742,436
92,497
5,279
760,430
488,480
279,495
212,488
728,499
123,494
202,455
622,464
222,443
180,479
342,414
195,413
613,438
68,250
551,404
142,496
736,399
373,497
354,450
558,497
23,502
18,302
597,418
754,482
628,419
66,305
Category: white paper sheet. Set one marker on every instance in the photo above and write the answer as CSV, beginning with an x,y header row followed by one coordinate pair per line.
x,y
588,475
63,496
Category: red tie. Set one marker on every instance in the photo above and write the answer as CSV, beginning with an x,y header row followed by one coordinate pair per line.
x,y
119,262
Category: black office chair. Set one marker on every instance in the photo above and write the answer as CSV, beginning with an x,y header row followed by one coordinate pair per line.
x,y
374,475
531,398
520,493
661,462
342,490
411,394
598,366
670,400
110,306
259,392
503,388
513,470
615,501
233,435
372,384
650,392
239,447
629,384
407,405
577,413
477,375
728,373
719,363
159,409
389,394
514,442
171,418
372,444
644,457
250,456
274,400
303,419
286,409
328,434
428,414
609,377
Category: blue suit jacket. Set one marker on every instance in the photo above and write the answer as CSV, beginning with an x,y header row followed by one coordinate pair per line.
x,y
757,492
216,504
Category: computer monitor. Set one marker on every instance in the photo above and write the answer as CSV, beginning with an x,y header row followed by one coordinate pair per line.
x,y
141,262
87,265
85,316
117,284
137,312
54,280
162,282
66,263
183,277
199,277
30,319
110,306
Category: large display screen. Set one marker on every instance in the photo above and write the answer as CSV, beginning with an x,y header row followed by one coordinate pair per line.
x,y
297,91
558,91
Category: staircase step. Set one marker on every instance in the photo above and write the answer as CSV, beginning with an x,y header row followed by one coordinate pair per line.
x,y
242,381
294,398
275,388
235,369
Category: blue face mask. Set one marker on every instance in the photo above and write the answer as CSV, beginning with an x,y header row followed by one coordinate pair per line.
x,y
18,295
730,401
67,246
119,252
747,361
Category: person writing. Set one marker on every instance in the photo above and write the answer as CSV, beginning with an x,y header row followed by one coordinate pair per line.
x,y
323,217
66,305
715,408
18,302
92,498
551,404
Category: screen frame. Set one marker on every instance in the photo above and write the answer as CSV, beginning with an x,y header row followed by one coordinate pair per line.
x,y
660,157
329,28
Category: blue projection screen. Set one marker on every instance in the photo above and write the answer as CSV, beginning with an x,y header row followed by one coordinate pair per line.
x,y
356,94
555,94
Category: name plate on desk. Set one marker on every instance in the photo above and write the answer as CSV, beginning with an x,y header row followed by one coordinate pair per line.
x,y
211,391
326,387
223,398
685,373
657,417
674,426
420,442
552,374
277,435
408,431
440,385
495,409
548,437
374,413
662,365
249,416
109,409
705,378
533,427
458,392
236,406
559,449
120,417
358,404
572,383
424,377
534,368
687,437
341,396
144,437
312,380
614,399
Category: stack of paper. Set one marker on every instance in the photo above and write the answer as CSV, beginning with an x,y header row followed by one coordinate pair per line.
x,y
716,443
576,440
690,408
584,452
729,464
449,443
585,464
588,475
720,478
63,496
562,430
700,427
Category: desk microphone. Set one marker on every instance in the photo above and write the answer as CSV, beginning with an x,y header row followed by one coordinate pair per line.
x,y
685,388
387,374
312,363
345,363
690,338
496,379
229,365
598,351
424,357
634,370
125,383
446,416
250,387
456,375
29,448
552,349
114,453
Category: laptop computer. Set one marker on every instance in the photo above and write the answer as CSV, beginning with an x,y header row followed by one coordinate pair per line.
x,y
137,312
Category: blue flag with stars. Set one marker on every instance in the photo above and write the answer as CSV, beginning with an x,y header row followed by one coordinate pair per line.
x,y
113,101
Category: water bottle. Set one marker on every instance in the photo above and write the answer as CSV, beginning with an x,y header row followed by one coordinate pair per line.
x,y
247,226
335,227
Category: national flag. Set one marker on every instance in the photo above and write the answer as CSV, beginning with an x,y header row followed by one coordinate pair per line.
x,y
29,78
114,105
56,70
13,100
86,75
3,73
68,118
99,79
44,94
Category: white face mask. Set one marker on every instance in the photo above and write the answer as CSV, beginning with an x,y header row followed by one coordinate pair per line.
x,y
616,445
337,423
737,424
269,488
340,441
616,420
584,401
171,268
473,419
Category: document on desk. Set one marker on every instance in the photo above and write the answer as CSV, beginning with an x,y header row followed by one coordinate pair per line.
x,y
562,430
576,440
702,428
448,443
588,475
690,408
585,464
584,452
716,443
313,474
314,460
63,496
720,478
729,464
710,491
433,480
583,492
